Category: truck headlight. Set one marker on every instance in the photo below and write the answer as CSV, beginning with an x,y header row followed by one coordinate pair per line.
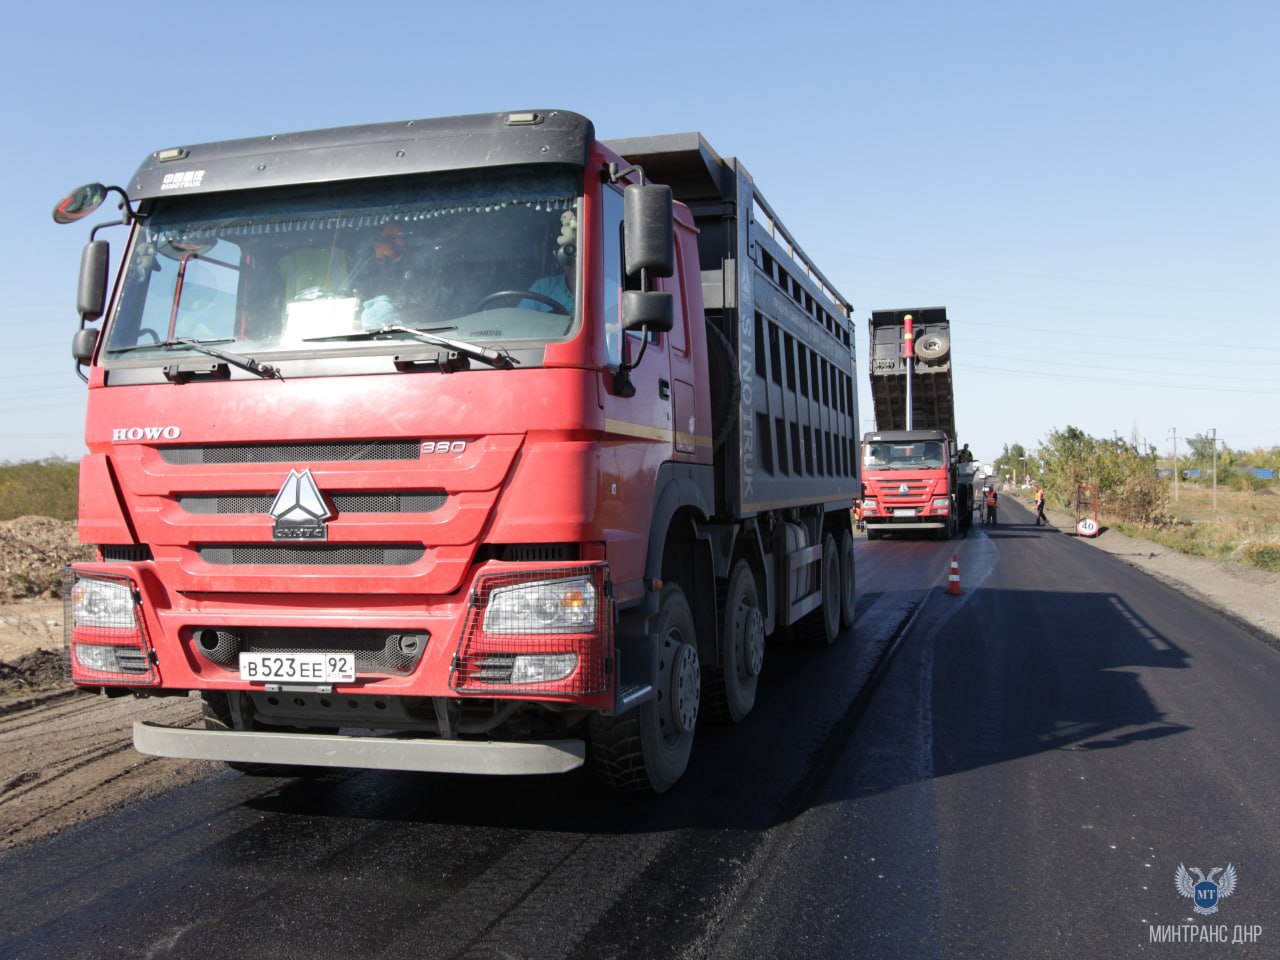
x,y
941,503
102,603
870,506
542,606
99,657
543,668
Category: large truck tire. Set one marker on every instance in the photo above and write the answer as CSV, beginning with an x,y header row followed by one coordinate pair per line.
x,y
848,579
821,627
932,347
647,750
832,591
729,688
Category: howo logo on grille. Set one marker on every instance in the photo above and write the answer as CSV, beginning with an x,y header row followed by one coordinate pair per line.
x,y
299,510
120,434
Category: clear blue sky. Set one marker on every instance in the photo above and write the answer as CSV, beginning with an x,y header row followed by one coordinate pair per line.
x,y
1092,189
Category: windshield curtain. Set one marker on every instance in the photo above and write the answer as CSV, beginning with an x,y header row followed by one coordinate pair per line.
x,y
922,455
299,269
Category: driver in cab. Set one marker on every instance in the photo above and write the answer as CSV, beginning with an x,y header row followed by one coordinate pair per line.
x,y
555,293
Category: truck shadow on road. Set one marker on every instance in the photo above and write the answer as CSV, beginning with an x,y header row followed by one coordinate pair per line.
x,y
749,776
1022,674
1000,685
743,776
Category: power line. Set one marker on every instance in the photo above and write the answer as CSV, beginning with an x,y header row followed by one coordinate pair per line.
x,y
1110,381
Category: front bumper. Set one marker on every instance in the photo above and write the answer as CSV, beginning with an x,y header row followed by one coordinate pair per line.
x,y
375,753
908,523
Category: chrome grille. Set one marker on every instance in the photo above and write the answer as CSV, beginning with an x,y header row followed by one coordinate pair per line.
x,y
346,554
914,491
292,452
251,503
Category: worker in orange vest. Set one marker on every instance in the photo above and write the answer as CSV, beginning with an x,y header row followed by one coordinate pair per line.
x,y
857,515
991,504
1040,517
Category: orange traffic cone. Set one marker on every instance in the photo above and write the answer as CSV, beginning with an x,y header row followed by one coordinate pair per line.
x,y
953,581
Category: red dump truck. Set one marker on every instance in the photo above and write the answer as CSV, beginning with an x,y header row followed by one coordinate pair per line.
x,y
470,445
917,480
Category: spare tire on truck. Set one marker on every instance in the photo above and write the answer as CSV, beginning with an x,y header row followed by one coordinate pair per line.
x,y
932,347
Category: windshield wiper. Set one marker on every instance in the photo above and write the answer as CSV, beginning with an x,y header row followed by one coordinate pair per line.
x,y
202,346
494,358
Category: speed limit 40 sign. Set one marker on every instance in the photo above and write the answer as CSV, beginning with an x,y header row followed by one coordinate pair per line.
x,y
1088,527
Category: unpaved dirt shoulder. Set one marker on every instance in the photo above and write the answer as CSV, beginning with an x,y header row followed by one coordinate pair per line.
x,y
65,756
70,758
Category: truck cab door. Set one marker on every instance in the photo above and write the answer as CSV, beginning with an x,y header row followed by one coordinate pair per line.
x,y
638,429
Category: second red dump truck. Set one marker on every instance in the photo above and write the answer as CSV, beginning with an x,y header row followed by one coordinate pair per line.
x,y
916,478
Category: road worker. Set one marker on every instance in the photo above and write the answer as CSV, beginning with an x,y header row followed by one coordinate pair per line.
x,y
991,504
1040,517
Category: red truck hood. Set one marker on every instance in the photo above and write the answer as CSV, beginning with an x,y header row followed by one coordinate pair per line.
x,y
907,485
410,469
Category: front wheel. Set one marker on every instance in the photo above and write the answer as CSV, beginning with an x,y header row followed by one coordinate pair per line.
x,y
233,711
647,750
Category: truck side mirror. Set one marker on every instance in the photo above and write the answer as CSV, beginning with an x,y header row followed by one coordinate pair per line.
x,y
79,203
82,345
653,309
92,296
650,230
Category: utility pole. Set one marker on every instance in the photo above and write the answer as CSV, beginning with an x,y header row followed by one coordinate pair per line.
x,y
1214,433
1175,464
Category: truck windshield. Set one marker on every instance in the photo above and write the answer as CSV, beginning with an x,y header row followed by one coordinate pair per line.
x,y
922,455
481,256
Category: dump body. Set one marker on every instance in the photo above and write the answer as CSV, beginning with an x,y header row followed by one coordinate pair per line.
x,y
408,448
932,393
914,480
793,437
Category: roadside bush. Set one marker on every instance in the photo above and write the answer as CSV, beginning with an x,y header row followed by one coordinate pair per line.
x,y
1137,498
1127,485
1263,554
1248,482
45,488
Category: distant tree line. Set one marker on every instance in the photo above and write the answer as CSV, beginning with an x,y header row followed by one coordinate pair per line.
x,y
1124,473
1235,467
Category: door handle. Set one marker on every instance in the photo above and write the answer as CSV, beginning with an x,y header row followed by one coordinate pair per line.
x,y
664,389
